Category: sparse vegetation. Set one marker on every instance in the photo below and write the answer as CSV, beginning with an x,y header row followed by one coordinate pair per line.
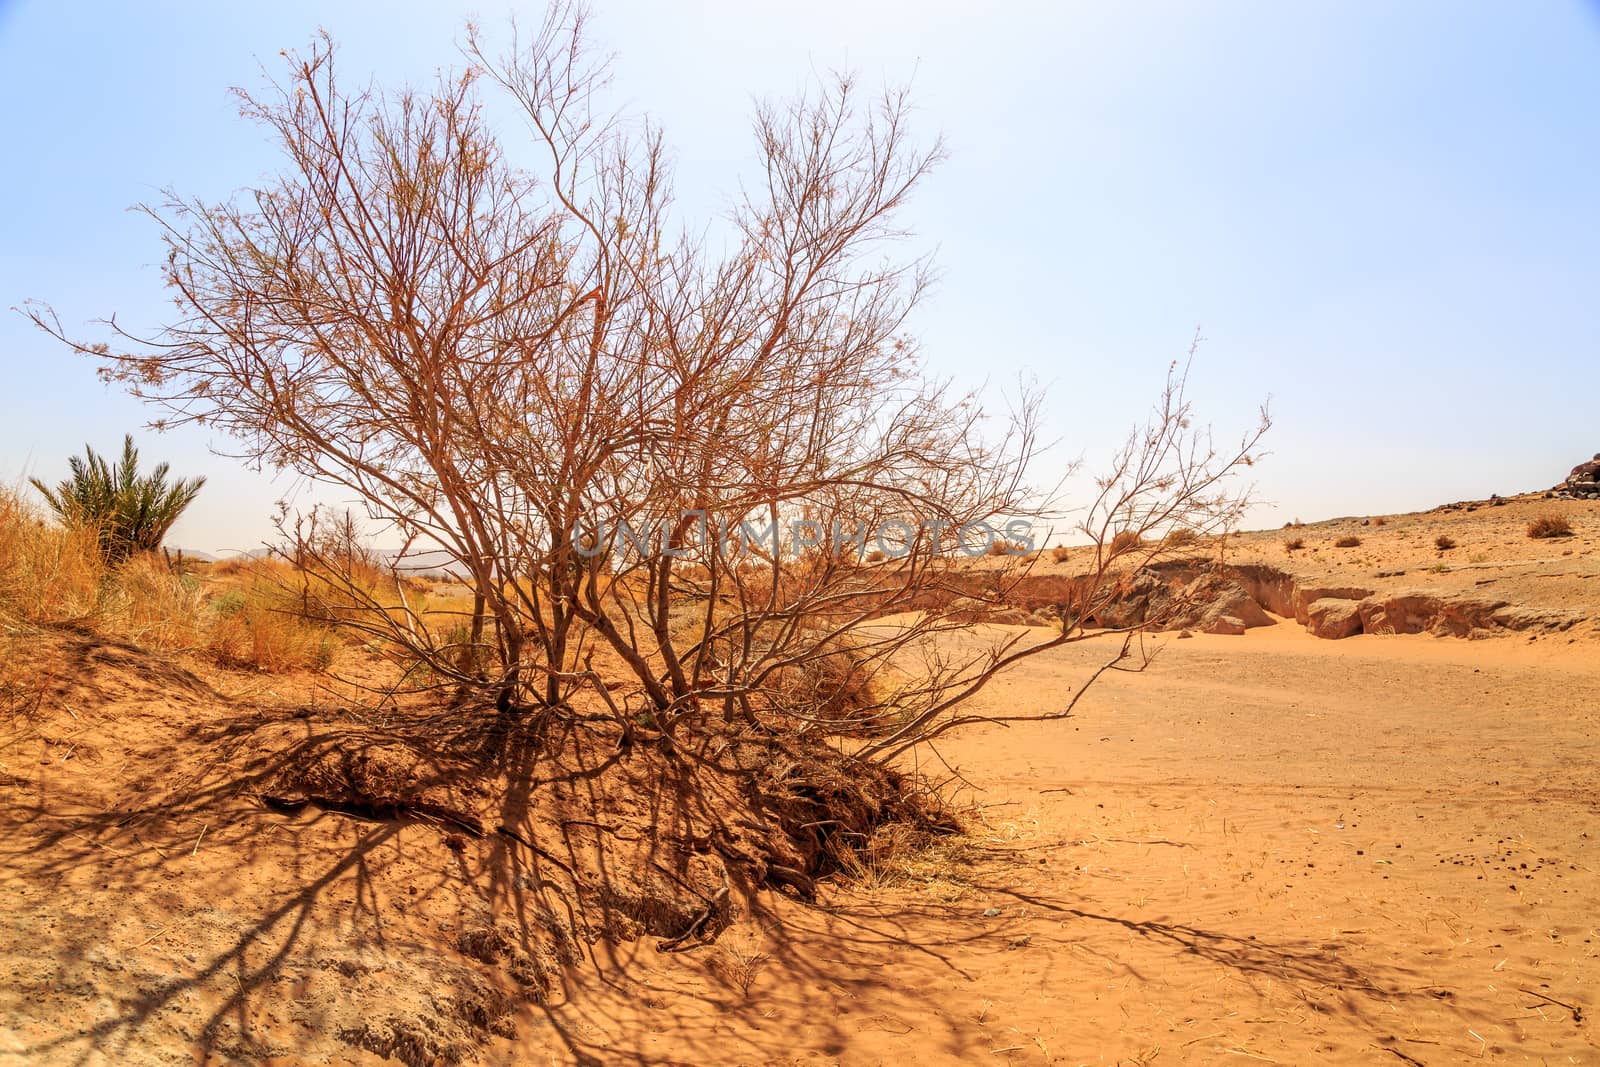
x,y
654,461
1550,524
679,752
783,355
48,573
739,959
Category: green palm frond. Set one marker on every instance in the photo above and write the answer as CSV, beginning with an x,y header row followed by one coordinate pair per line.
x,y
130,513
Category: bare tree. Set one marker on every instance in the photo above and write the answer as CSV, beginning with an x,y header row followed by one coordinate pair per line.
x,y
662,468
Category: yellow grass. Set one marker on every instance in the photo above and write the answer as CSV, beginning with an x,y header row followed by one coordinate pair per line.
x,y
47,574
53,575
254,624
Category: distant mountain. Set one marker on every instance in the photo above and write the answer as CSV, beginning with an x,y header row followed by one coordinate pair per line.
x,y
189,553
434,564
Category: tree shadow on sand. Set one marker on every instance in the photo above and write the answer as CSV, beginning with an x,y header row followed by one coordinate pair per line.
x,y
841,953
245,878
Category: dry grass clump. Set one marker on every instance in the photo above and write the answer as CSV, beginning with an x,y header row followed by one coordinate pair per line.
x,y
1379,520
1181,537
48,574
1294,544
152,605
52,574
258,623
1550,524
900,855
1347,542
281,614
1444,542
232,567
1060,553
1125,541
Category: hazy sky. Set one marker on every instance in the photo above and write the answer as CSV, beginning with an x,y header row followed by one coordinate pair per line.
x,y
1386,216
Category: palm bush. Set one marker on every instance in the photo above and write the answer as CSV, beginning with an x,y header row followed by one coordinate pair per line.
x,y
127,512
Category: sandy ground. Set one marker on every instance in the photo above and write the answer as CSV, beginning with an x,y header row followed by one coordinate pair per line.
x,y
1268,848
1264,848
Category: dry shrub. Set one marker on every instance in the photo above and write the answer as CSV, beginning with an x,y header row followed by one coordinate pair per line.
x,y
739,959
1294,544
1125,541
1000,546
1550,524
1444,542
877,555
1348,542
1060,553
1380,521
1181,537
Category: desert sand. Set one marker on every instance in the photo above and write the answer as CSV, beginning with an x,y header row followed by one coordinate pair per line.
x,y
1267,847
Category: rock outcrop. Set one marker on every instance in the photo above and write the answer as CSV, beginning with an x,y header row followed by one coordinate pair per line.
x,y
1333,619
1584,481
1198,596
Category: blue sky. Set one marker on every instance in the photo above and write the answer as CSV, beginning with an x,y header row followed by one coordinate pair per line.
x,y
1386,216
